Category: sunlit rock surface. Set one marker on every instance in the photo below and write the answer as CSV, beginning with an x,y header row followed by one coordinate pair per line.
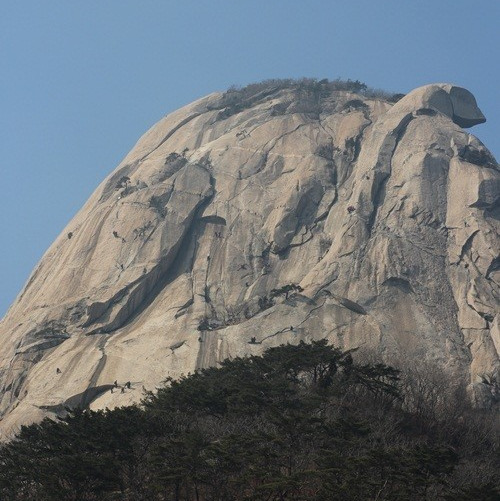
x,y
387,215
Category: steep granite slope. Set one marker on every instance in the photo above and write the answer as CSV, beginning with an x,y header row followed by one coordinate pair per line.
x,y
386,215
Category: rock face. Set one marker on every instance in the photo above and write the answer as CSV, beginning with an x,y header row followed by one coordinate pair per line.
x,y
386,215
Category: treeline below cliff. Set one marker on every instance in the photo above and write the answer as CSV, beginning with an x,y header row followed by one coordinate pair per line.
x,y
302,422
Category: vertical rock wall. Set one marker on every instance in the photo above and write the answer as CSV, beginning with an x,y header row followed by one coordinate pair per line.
x,y
387,215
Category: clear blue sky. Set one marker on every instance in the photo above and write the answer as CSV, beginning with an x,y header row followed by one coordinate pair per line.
x,y
80,81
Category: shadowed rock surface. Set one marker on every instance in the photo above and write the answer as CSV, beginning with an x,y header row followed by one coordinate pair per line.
x,y
387,216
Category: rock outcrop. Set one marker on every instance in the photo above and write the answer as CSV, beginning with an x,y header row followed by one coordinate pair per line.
x,y
386,215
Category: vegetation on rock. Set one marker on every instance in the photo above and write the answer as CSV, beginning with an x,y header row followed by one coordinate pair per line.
x,y
308,92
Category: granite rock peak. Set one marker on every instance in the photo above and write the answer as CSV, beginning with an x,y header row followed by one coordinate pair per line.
x,y
385,216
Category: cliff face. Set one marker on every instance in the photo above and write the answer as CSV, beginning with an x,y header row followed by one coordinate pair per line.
x,y
386,215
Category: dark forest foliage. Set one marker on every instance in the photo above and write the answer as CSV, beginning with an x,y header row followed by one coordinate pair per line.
x,y
301,422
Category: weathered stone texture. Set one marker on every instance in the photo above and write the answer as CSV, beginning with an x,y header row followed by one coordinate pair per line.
x,y
386,215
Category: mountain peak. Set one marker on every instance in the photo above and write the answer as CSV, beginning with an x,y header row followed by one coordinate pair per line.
x,y
378,212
